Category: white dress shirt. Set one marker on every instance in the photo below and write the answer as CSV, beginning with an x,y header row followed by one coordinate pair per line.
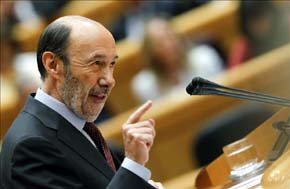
x,y
79,124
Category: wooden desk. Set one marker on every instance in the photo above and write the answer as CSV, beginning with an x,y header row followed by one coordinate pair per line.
x,y
263,139
185,181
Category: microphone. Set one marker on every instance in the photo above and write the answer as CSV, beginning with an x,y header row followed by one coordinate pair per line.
x,y
200,86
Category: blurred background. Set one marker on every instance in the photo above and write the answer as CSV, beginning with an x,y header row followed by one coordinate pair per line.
x,y
162,45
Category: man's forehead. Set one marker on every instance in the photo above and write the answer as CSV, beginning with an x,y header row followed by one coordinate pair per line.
x,y
80,25
88,32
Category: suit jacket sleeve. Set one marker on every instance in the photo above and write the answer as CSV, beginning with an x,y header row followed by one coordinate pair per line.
x,y
125,179
36,163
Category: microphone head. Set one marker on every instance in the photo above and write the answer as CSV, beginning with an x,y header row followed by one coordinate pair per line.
x,y
193,88
197,86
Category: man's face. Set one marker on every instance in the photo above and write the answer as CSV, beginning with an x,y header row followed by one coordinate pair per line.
x,y
88,78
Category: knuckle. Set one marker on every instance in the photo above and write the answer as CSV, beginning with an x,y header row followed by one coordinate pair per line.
x,y
137,137
125,128
130,133
149,123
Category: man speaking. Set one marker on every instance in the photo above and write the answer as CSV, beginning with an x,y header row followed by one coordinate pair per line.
x,y
53,142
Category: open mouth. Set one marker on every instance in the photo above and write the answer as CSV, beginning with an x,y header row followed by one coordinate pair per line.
x,y
98,98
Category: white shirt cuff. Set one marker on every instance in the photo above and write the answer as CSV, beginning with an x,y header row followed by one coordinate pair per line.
x,y
137,169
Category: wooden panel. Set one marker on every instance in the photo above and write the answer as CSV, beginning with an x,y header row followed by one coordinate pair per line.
x,y
10,103
105,12
102,11
27,35
185,181
179,118
210,20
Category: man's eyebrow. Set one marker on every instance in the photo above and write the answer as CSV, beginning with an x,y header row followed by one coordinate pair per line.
x,y
100,56
96,56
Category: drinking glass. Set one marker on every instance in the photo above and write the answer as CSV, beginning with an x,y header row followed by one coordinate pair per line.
x,y
243,159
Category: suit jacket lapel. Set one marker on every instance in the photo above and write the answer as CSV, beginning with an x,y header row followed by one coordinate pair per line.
x,y
69,135
77,142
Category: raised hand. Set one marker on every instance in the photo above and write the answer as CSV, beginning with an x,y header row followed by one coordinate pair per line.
x,y
138,135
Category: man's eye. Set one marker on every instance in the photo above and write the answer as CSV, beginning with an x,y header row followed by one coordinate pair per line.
x,y
113,63
100,63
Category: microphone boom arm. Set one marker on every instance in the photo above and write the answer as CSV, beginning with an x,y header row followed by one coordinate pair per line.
x,y
200,86
245,96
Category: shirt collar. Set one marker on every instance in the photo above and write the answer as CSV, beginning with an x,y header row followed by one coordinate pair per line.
x,y
60,108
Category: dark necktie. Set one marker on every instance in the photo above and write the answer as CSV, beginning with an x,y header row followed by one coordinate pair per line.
x,y
97,137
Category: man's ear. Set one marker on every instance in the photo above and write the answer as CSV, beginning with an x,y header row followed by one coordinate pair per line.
x,y
52,64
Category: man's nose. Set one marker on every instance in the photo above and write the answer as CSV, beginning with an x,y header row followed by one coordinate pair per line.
x,y
107,79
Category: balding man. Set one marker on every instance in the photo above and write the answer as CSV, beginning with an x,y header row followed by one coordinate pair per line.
x,y
53,142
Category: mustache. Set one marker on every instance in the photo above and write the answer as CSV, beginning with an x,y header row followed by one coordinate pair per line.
x,y
102,90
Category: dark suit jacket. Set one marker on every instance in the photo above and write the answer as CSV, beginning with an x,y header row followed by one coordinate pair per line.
x,y
43,150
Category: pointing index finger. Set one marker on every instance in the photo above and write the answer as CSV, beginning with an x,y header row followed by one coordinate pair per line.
x,y
135,116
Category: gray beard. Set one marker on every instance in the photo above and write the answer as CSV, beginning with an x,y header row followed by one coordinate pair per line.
x,y
71,92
